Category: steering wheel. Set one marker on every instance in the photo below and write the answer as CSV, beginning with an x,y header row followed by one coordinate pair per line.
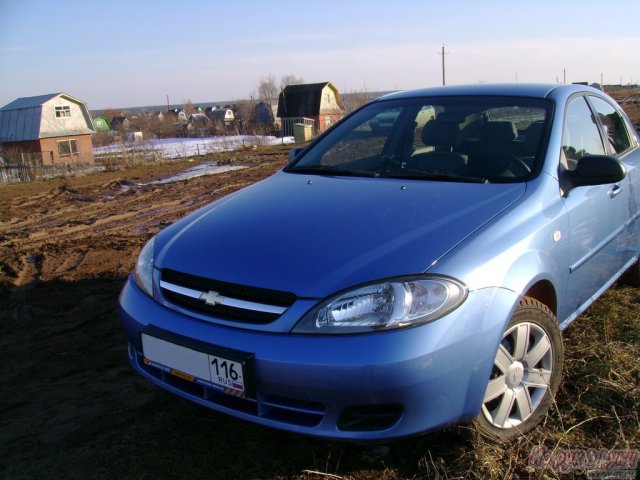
x,y
498,164
521,170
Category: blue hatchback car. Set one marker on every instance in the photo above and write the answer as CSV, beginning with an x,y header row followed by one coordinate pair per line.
x,y
412,268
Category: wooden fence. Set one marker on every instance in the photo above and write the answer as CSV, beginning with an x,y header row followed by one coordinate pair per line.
x,y
27,170
289,122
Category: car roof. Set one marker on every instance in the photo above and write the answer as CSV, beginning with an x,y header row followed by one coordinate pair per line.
x,y
534,90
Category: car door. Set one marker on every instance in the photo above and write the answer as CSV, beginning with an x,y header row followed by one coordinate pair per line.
x,y
598,215
621,143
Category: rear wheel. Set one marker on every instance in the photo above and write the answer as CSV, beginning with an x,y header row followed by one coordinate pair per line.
x,y
525,375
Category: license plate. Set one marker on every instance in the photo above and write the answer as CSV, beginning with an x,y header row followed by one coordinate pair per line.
x,y
207,369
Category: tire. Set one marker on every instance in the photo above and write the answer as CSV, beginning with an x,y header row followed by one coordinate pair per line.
x,y
525,375
631,277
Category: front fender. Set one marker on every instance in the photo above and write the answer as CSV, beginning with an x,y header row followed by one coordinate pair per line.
x,y
528,244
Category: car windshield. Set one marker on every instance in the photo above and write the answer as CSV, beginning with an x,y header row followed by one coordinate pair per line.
x,y
461,139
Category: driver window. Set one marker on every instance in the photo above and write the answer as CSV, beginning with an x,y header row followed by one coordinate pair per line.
x,y
580,136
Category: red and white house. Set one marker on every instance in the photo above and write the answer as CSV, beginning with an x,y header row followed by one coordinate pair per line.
x,y
52,129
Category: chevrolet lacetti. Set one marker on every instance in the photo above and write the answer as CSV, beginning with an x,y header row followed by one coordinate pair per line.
x,y
411,268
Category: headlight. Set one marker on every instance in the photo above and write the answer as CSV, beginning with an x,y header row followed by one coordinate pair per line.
x,y
143,272
403,302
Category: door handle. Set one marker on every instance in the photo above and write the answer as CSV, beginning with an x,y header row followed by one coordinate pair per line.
x,y
615,191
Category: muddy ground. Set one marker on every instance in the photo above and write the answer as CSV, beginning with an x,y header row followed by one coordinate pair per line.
x,y
66,247
71,407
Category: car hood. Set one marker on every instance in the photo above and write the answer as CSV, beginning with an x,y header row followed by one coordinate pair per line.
x,y
315,235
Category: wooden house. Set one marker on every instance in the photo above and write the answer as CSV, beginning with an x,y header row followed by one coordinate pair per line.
x,y
53,128
319,102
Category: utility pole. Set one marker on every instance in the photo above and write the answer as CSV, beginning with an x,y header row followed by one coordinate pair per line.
x,y
167,102
564,71
443,53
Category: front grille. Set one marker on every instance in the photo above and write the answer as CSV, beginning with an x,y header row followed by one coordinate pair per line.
x,y
224,300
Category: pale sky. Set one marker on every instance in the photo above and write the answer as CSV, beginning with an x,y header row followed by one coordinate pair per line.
x,y
118,53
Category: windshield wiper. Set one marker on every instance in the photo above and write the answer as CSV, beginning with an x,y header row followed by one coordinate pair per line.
x,y
328,170
421,175
404,174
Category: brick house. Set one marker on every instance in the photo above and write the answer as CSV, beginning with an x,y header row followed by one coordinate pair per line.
x,y
50,129
319,102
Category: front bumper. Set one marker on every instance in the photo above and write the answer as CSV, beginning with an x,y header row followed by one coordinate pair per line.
x,y
374,386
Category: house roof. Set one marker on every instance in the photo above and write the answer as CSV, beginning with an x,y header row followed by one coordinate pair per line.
x,y
21,119
301,100
30,102
101,123
198,118
221,114
262,113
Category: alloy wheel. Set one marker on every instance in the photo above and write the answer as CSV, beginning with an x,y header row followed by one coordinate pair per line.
x,y
521,376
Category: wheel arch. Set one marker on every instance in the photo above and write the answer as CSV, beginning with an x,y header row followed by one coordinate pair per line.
x,y
544,292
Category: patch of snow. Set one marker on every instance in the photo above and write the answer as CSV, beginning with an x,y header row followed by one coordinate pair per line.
x,y
209,168
189,147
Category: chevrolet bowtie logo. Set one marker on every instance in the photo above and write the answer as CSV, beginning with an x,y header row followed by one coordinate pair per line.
x,y
212,298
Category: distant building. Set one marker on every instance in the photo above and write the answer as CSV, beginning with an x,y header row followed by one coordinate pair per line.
x,y
263,114
317,101
121,123
224,115
101,124
53,128
198,120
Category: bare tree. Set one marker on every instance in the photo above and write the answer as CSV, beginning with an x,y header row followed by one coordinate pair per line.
x,y
290,79
355,99
153,125
267,89
188,107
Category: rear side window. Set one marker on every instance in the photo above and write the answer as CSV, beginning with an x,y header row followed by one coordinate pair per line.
x,y
615,131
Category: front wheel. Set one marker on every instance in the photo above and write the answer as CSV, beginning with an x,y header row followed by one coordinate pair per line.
x,y
525,375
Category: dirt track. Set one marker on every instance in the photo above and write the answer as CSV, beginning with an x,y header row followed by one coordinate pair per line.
x,y
66,247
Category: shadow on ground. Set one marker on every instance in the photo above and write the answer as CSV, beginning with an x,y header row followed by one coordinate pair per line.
x,y
71,406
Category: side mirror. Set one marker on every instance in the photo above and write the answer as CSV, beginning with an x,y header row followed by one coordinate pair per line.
x,y
294,152
596,170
